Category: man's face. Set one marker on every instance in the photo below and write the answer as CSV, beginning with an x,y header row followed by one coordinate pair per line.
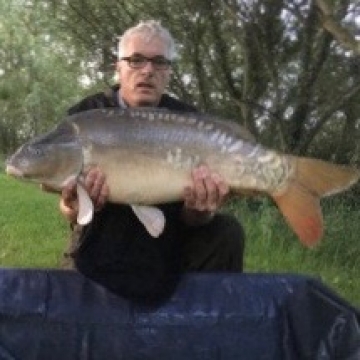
x,y
143,86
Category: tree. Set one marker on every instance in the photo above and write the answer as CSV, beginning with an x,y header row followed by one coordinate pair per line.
x,y
38,73
340,33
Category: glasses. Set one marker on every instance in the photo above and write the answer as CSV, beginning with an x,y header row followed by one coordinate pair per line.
x,y
140,61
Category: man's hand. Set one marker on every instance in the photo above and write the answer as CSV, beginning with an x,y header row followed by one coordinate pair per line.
x,y
96,187
204,197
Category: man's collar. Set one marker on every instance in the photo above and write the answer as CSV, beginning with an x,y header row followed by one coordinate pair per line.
x,y
121,101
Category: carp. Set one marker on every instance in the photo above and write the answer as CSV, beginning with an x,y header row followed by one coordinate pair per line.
x,y
147,155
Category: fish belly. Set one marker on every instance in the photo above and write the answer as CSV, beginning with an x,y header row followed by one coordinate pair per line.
x,y
149,177
135,178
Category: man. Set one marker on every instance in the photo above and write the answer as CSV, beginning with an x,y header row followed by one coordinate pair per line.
x,y
115,249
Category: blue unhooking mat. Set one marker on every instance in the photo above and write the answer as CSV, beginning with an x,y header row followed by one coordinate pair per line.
x,y
53,315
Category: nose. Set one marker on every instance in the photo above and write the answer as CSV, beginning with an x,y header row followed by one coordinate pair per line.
x,y
149,67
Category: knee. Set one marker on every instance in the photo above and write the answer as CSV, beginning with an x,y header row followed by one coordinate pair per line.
x,y
217,246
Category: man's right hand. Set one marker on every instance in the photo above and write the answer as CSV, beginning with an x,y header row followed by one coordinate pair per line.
x,y
96,187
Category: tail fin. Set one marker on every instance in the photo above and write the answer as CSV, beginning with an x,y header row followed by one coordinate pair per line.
x,y
300,203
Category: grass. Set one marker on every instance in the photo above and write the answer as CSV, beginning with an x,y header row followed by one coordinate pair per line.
x,y
272,247
33,234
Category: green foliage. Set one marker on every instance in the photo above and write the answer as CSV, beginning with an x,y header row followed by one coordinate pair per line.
x,y
38,74
32,231
33,234
2,163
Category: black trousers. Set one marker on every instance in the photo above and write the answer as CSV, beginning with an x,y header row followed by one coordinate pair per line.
x,y
218,246
143,268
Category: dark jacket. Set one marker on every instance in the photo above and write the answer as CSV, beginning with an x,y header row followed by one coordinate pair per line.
x,y
116,250
109,98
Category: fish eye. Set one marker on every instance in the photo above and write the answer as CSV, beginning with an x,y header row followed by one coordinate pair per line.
x,y
35,151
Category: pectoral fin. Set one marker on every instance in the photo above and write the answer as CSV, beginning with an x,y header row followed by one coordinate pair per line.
x,y
86,207
152,218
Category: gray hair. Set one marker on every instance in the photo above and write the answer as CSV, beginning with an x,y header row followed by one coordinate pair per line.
x,y
149,30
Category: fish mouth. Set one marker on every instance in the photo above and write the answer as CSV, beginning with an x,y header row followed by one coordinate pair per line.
x,y
13,171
